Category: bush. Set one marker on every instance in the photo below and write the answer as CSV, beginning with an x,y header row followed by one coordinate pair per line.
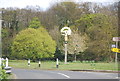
x,y
3,75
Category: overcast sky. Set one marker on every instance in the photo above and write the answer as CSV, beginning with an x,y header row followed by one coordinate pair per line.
x,y
42,3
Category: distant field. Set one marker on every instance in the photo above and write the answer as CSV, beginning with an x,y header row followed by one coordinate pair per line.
x,y
70,66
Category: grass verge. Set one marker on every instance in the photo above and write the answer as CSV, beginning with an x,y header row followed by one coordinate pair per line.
x,y
70,66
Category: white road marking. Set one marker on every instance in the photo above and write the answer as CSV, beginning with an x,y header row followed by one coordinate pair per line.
x,y
59,74
64,75
118,77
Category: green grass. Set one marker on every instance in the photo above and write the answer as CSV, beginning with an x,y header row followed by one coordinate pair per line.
x,y
70,66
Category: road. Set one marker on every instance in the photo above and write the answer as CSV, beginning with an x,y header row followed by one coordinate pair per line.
x,y
48,74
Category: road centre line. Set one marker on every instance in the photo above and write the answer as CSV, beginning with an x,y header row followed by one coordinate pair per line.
x,y
64,75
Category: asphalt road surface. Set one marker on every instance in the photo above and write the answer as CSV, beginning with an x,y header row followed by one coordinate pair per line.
x,y
48,74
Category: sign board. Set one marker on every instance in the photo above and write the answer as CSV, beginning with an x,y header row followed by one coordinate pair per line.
x,y
115,50
113,46
116,38
66,31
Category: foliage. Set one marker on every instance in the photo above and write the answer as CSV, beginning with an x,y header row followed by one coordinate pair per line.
x,y
6,43
100,32
9,30
5,33
3,75
34,44
76,42
35,23
59,54
95,21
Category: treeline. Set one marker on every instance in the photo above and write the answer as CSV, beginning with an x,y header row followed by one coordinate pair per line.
x,y
93,25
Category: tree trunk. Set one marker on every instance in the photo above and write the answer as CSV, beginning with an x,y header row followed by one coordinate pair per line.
x,y
75,57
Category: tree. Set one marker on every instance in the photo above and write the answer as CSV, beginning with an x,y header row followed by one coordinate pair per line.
x,y
9,30
59,15
76,44
34,44
100,31
35,23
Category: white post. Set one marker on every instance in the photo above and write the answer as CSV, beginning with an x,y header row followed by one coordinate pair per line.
x,y
39,63
28,62
57,63
6,62
66,31
66,39
65,53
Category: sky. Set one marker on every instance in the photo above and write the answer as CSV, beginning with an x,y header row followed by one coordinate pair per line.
x,y
44,4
